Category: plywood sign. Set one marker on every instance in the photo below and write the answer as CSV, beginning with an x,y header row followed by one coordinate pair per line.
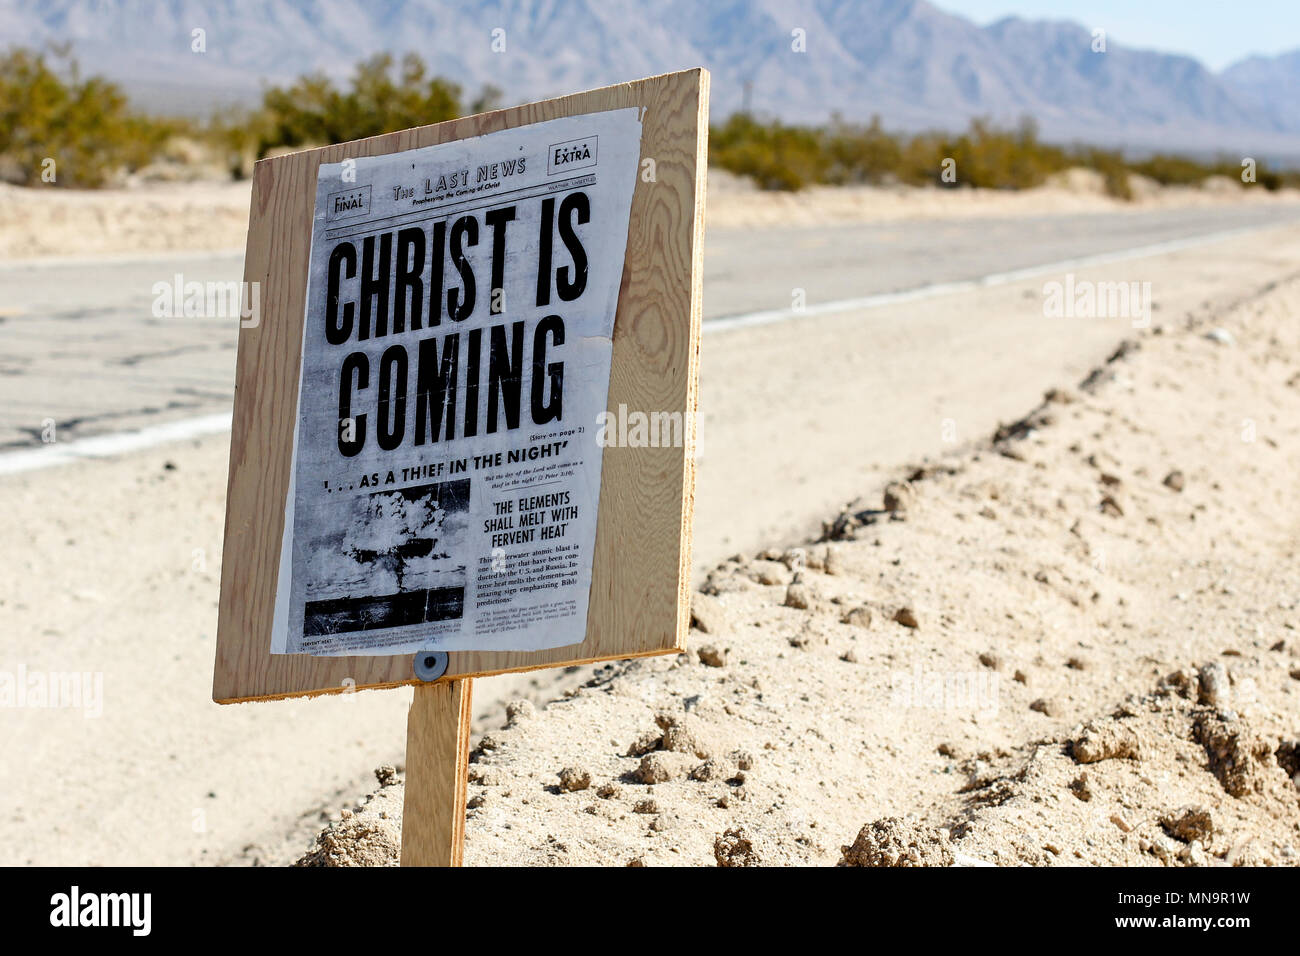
x,y
419,460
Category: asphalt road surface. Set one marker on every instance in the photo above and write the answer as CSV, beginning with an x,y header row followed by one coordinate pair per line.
x,y
81,350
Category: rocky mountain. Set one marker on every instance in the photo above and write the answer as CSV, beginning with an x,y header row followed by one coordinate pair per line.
x,y
1272,83
802,60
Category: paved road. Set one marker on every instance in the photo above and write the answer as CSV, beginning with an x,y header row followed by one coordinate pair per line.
x,y
757,270
80,347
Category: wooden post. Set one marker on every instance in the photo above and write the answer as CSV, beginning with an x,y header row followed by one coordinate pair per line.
x,y
437,774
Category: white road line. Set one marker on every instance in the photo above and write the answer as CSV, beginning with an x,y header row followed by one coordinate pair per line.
x,y
15,462
118,259
751,319
101,446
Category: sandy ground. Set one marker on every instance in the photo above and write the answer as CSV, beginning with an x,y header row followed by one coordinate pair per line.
x,y
160,217
735,203
115,565
171,217
113,568
1075,642
799,417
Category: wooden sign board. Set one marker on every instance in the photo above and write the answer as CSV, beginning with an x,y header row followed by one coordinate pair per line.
x,y
639,590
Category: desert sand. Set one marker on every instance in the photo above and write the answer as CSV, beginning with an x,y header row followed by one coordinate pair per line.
x,y
1075,643
1008,555
213,215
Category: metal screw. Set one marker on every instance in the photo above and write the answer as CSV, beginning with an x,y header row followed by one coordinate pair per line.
x,y
430,665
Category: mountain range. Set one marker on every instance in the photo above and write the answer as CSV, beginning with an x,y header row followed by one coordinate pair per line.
x,y
907,61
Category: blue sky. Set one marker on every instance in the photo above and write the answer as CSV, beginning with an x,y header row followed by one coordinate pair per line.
x,y
1216,32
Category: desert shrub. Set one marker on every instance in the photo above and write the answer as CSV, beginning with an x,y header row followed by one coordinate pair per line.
x,y
921,160
774,155
383,96
235,134
1173,170
1170,170
48,111
992,158
860,154
1272,179
1115,172
777,156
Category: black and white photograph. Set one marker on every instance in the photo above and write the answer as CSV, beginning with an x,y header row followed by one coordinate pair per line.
x,y
394,563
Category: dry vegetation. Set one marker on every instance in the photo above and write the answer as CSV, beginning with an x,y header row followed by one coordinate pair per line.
x,y
49,111
777,156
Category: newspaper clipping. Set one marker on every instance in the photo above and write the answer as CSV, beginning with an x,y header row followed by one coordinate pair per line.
x,y
455,360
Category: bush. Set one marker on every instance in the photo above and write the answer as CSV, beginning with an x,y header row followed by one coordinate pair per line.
x,y
991,158
787,157
48,112
1170,170
776,156
1273,180
1113,169
314,112
861,154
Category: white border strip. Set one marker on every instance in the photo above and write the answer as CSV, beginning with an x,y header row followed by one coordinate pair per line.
x,y
101,446
751,319
119,259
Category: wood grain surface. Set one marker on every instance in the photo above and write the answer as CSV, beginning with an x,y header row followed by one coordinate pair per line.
x,y
639,593
437,774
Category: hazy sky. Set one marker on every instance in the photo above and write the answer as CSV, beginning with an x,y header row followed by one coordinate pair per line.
x,y
1216,32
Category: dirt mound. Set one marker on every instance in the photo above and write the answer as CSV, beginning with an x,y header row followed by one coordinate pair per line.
x,y
369,835
895,842
1162,779
1047,647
